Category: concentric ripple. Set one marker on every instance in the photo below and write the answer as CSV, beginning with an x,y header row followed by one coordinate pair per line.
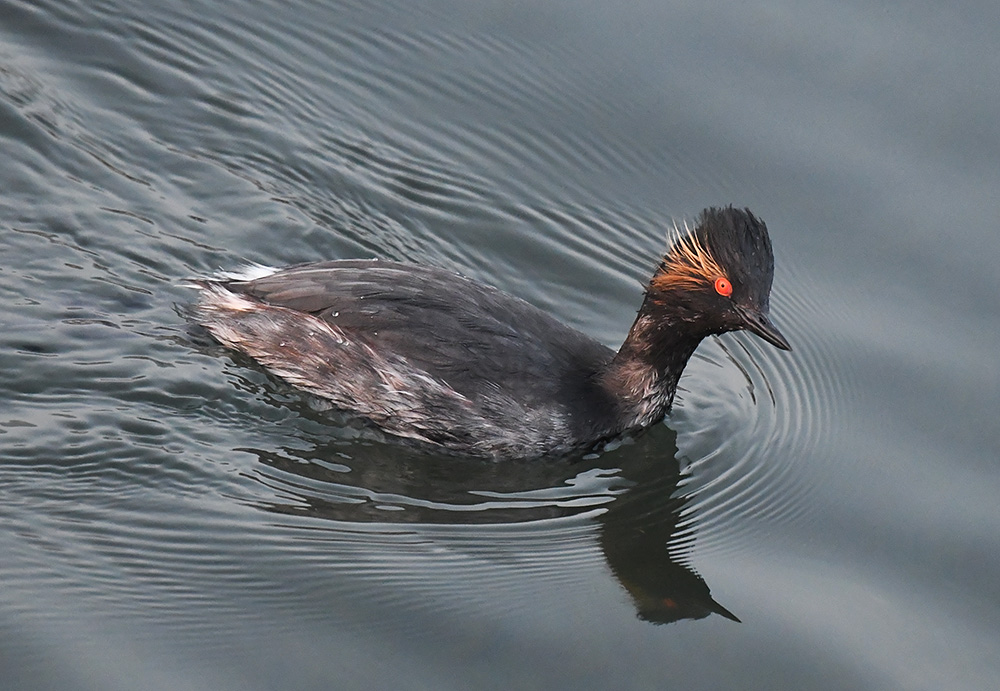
x,y
753,421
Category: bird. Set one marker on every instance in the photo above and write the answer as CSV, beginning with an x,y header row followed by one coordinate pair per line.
x,y
439,359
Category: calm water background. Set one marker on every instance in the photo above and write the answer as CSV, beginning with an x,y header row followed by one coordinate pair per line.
x,y
173,518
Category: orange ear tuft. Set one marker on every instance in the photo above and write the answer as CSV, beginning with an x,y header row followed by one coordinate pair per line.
x,y
687,266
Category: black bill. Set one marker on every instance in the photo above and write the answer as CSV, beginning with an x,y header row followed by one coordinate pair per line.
x,y
760,324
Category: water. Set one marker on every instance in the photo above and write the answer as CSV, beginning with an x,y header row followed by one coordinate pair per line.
x,y
174,518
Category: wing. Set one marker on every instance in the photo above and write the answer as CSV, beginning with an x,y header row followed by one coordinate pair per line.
x,y
469,335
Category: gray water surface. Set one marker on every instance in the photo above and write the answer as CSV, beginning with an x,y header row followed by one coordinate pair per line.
x,y
171,517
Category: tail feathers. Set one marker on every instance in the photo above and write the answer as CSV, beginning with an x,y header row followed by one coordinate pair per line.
x,y
250,271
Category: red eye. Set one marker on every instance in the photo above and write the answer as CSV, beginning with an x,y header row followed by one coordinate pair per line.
x,y
723,287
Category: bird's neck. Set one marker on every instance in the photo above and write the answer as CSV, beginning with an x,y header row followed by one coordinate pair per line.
x,y
647,367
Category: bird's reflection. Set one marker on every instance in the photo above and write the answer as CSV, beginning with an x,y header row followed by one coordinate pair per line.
x,y
632,490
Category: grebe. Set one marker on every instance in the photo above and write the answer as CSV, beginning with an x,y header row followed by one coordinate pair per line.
x,y
433,356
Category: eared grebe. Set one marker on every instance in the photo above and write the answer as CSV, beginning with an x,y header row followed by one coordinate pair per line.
x,y
431,355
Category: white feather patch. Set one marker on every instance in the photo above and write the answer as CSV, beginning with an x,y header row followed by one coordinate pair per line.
x,y
248,272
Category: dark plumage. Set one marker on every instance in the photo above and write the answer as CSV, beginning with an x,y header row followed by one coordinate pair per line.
x,y
431,355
